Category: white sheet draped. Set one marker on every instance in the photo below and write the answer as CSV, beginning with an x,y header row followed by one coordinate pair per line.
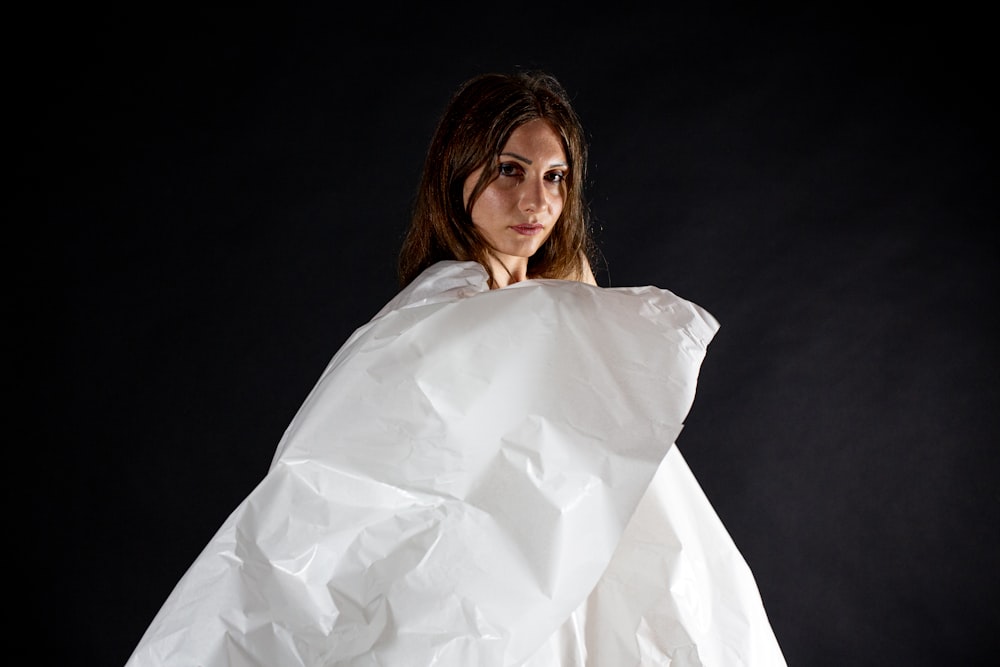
x,y
482,478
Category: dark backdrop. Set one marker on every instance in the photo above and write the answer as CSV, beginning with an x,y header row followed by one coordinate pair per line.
x,y
224,195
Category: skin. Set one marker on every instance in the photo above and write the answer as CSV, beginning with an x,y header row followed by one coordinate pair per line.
x,y
518,210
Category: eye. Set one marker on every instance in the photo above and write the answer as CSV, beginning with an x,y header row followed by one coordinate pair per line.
x,y
556,176
509,169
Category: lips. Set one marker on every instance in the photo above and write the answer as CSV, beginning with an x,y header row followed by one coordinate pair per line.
x,y
528,229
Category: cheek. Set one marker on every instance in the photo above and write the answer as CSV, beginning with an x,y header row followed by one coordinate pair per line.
x,y
470,185
490,204
557,204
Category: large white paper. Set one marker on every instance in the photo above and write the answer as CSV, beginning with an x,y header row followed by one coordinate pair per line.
x,y
482,477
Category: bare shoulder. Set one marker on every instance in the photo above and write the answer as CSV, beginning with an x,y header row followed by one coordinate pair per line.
x,y
586,273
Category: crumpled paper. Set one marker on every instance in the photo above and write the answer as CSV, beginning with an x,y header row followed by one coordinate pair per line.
x,y
482,477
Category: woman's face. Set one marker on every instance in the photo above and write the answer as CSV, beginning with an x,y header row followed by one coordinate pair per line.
x,y
518,209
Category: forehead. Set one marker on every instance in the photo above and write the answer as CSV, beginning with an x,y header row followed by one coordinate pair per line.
x,y
536,139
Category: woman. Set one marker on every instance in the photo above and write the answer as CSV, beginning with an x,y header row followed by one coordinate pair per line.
x,y
485,473
503,184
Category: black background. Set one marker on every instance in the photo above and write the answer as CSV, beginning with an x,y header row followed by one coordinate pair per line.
x,y
224,191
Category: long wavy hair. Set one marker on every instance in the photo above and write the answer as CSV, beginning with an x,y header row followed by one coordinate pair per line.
x,y
471,133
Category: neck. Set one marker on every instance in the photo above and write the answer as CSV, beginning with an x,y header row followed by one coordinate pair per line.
x,y
508,270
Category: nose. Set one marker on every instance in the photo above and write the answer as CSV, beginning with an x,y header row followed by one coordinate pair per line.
x,y
534,196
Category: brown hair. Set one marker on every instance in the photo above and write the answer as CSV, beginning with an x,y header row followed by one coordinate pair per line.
x,y
475,126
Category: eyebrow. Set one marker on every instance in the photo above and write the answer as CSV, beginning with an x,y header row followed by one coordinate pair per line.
x,y
527,161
